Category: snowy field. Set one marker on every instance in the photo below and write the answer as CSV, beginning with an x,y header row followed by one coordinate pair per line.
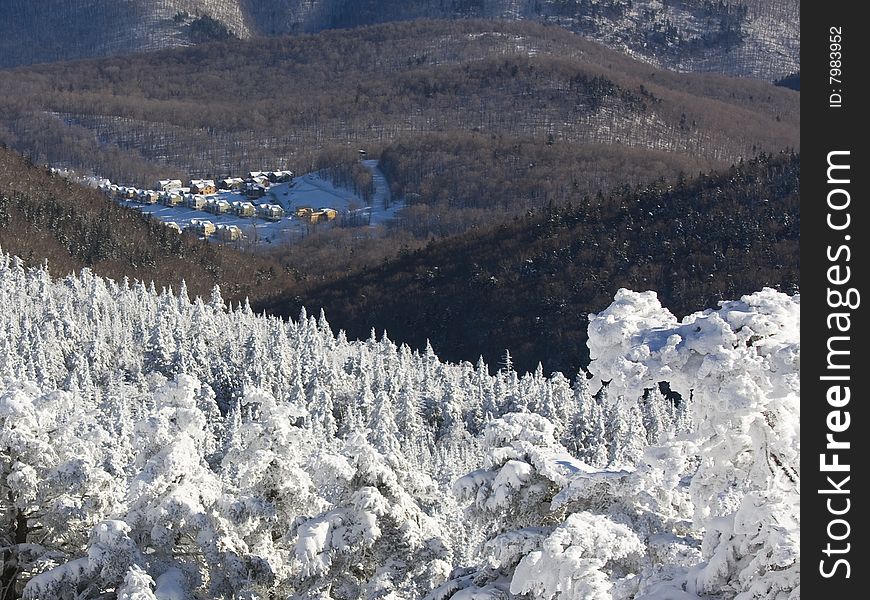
x,y
310,190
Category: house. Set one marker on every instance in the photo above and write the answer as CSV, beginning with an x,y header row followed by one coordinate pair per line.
x,y
220,207
195,201
203,228
148,197
270,212
316,216
328,213
262,179
231,183
257,178
130,193
202,186
172,198
174,226
279,176
254,190
244,209
229,233
216,206
164,185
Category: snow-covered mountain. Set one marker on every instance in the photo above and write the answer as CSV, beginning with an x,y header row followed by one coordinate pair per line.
x,y
759,38
157,447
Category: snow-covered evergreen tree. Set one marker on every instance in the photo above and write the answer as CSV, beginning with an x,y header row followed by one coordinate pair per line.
x,y
157,446
740,366
374,540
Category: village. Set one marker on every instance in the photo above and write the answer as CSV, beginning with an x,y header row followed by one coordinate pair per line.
x,y
263,195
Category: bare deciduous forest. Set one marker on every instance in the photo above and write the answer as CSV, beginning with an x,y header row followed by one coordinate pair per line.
x,y
467,116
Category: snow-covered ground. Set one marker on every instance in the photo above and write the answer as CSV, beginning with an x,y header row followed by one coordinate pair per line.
x,y
384,206
311,190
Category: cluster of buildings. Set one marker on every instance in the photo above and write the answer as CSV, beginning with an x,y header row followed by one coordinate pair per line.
x,y
204,195
220,197
205,228
208,202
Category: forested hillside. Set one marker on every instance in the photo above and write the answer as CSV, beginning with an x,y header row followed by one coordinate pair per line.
x,y
528,285
466,115
44,216
161,447
758,38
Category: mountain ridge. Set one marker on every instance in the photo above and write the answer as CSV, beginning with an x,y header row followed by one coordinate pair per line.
x,y
755,38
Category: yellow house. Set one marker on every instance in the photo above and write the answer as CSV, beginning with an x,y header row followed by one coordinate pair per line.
x,y
244,209
171,198
194,201
202,186
218,207
164,185
229,233
231,183
149,197
203,228
323,214
270,212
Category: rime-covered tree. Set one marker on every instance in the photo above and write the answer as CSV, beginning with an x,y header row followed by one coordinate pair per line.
x,y
740,365
327,471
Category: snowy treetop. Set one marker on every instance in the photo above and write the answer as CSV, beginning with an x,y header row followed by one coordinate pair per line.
x,y
154,446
